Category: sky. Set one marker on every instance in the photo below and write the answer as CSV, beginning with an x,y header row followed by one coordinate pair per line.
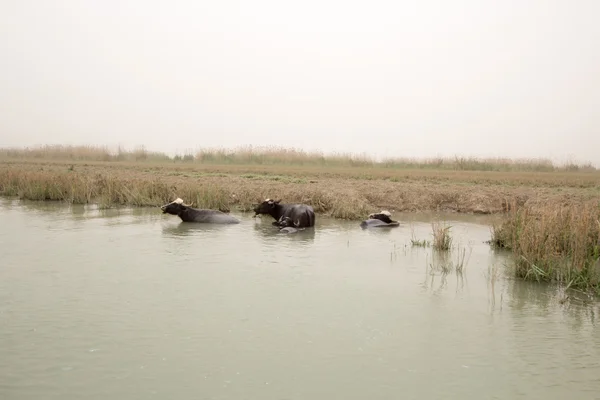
x,y
424,78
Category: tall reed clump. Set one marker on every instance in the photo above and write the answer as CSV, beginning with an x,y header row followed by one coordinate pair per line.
x,y
273,155
83,153
441,236
555,243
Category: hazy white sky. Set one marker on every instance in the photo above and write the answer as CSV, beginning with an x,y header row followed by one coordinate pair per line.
x,y
517,78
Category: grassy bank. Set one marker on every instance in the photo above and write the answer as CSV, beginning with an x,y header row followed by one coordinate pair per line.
x,y
342,192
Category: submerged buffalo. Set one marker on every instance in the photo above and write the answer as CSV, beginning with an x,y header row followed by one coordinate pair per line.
x,y
286,225
287,215
382,219
189,214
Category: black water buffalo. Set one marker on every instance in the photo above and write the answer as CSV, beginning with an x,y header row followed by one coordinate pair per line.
x,y
379,220
189,214
287,215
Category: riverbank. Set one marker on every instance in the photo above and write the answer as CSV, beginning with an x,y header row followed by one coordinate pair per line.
x,y
551,219
341,192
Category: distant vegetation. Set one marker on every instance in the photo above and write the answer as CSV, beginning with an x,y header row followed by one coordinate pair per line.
x,y
250,155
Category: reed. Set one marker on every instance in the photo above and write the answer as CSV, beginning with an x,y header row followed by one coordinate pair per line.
x,y
441,236
554,243
83,153
273,155
419,243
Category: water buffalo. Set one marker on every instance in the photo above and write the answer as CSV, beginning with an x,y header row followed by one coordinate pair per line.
x,y
189,214
379,220
287,215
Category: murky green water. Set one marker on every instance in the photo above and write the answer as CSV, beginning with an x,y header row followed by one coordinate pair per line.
x,y
132,304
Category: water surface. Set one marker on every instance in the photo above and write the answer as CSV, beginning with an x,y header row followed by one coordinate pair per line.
x,y
133,304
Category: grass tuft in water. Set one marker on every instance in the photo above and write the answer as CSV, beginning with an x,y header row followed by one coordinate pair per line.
x,y
441,236
420,243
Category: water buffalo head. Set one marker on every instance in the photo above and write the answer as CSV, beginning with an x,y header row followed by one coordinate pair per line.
x,y
174,207
266,207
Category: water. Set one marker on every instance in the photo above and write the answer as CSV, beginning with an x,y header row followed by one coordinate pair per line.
x,y
132,304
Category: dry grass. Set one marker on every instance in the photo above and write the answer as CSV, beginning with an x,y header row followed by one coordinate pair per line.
x,y
556,243
344,192
341,192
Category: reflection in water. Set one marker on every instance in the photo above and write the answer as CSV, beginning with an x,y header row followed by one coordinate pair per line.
x,y
183,229
440,264
129,303
269,232
380,231
82,211
495,287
